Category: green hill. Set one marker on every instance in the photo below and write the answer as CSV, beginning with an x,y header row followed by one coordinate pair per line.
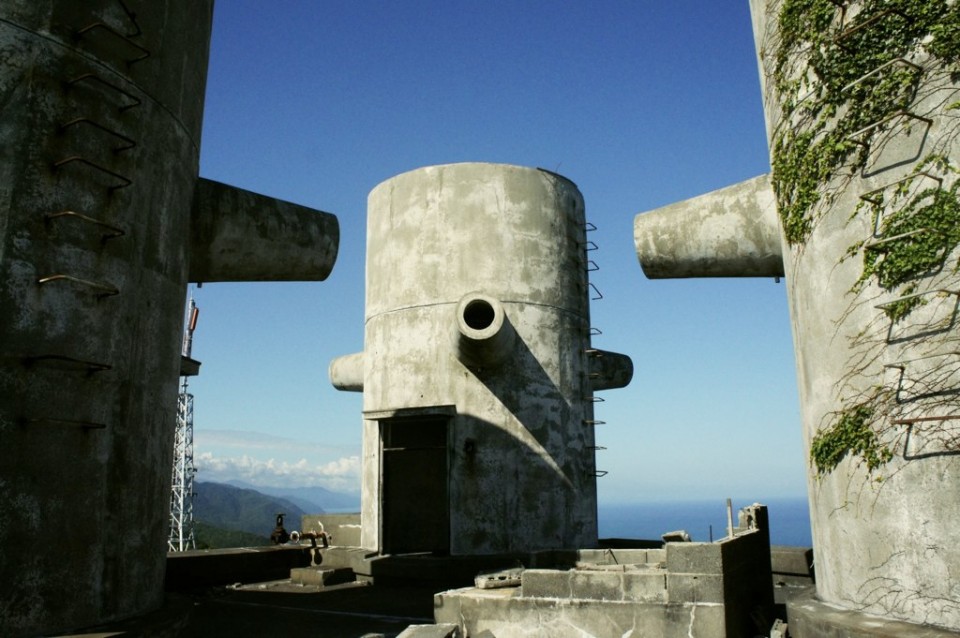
x,y
241,510
210,537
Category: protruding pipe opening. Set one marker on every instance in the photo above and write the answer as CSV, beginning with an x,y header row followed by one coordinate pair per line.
x,y
484,334
479,314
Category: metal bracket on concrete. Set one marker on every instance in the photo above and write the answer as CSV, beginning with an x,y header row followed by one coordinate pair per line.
x,y
76,158
142,53
85,425
93,77
109,232
67,363
106,289
128,143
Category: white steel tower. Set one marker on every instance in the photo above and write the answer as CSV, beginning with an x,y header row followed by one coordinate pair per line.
x,y
181,493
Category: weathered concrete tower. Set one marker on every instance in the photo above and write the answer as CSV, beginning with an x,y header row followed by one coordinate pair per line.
x,y
860,101
102,222
478,374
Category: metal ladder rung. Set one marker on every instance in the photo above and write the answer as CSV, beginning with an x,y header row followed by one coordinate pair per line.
x,y
93,77
892,302
887,240
871,196
128,143
68,363
869,128
867,23
599,473
77,158
596,448
112,232
593,422
86,425
595,290
143,52
923,419
107,290
591,266
917,68
902,365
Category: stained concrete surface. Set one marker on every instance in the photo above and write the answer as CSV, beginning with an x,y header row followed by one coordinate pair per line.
x,y
280,608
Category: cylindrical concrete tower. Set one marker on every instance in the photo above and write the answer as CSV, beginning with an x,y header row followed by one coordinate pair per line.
x,y
102,221
101,125
860,101
477,375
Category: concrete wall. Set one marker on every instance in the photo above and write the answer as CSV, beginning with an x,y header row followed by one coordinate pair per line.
x,y
886,541
877,386
513,381
99,139
90,321
344,528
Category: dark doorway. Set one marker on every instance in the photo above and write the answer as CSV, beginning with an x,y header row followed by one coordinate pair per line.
x,y
415,507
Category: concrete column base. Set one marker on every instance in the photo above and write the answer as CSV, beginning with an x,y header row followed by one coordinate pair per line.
x,y
809,617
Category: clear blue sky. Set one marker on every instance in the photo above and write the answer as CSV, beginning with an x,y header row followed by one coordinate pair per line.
x,y
640,103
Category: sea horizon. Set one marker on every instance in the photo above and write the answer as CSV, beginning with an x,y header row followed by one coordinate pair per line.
x,y
704,520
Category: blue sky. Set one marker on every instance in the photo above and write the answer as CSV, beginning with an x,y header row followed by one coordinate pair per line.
x,y
640,103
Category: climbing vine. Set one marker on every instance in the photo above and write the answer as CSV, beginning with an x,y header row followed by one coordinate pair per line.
x,y
850,434
849,77
926,228
843,74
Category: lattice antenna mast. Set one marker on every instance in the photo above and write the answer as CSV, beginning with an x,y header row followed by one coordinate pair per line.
x,y
181,493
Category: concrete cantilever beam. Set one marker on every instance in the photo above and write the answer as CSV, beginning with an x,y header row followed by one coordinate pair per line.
x,y
731,232
346,372
237,235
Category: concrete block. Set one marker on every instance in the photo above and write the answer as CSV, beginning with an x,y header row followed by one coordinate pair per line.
x,y
695,558
645,586
491,613
502,578
695,588
614,556
796,561
545,583
344,528
596,585
446,630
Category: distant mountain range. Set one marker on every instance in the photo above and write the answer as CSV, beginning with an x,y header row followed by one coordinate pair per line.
x,y
312,500
237,506
233,508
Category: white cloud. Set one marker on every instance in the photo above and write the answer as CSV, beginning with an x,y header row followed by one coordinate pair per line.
x,y
248,440
340,475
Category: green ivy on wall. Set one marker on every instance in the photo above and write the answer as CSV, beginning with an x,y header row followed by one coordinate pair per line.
x,y
850,434
837,80
828,93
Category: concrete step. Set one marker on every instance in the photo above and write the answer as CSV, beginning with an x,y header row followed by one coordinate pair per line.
x,y
634,585
446,630
320,576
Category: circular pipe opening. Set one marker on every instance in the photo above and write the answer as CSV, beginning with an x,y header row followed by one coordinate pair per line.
x,y
479,314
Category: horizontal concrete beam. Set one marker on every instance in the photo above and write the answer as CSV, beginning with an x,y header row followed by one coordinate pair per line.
x,y
237,235
731,232
346,372
610,370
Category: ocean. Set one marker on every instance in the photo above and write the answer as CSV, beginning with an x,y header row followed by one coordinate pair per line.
x,y
789,520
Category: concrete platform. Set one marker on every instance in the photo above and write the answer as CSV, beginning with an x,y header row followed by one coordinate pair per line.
x,y
280,608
